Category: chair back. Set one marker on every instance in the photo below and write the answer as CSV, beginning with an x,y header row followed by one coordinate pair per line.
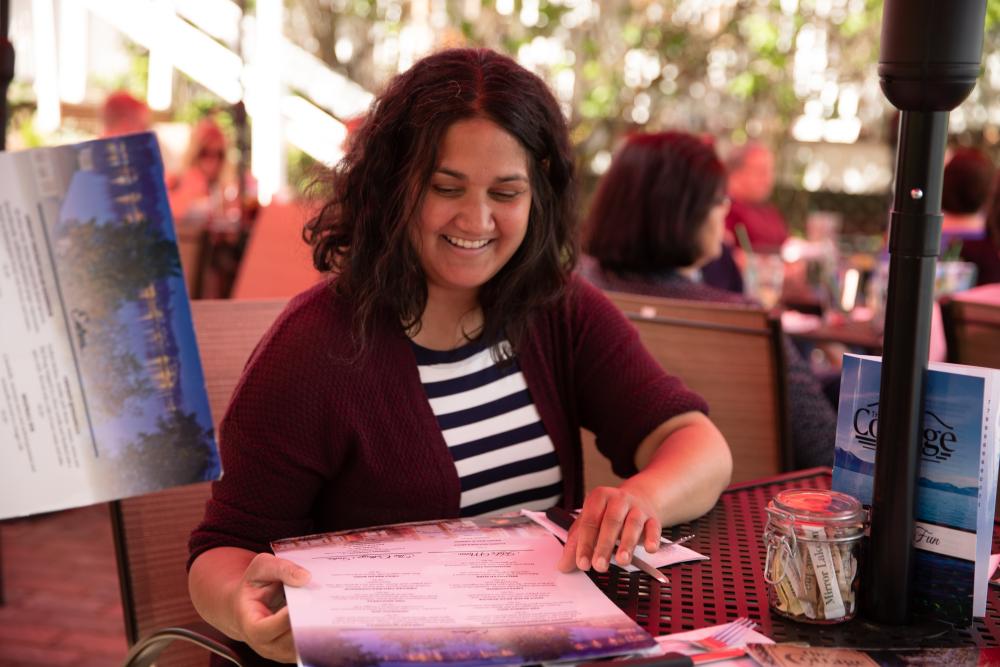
x,y
151,531
972,329
732,355
277,263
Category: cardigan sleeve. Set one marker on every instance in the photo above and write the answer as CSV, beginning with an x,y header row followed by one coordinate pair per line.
x,y
274,445
622,393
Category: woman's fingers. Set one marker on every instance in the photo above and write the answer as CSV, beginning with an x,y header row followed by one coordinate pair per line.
x,y
652,532
632,531
266,629
266,569
610,526
611,523
272,638
567,560
264,621
588,527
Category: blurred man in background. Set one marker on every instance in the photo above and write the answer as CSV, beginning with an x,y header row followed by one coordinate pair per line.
x,y
751,181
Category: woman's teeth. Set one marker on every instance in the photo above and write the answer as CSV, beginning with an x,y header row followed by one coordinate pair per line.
x,y
462,243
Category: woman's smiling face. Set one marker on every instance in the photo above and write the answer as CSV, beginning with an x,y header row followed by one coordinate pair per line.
x,y
474,213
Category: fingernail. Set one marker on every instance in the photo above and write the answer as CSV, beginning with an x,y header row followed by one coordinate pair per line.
x,y
600,564
583,563
622,556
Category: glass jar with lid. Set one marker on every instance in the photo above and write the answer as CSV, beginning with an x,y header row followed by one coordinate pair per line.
x,y
813,539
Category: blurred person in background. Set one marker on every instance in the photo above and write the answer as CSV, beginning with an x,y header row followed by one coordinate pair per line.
x,y
197,193
969,229
965,192
657,218
985,252
751,182
204,197
122,113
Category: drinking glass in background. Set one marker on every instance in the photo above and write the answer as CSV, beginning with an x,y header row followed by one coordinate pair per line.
x,y
949,277
764,278
953,276
823,226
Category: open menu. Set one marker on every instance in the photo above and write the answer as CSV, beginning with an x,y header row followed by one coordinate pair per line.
x,y
458,592
102,395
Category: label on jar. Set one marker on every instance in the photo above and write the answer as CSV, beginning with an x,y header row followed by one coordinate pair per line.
x,y
825,571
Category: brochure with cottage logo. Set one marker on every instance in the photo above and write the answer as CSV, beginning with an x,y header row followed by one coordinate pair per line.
x,y
957,485
102,395
461,592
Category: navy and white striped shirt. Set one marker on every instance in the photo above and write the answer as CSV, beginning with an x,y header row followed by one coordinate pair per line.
x,y
504,457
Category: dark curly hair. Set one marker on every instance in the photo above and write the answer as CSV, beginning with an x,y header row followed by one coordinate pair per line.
x,y
651,204
362,231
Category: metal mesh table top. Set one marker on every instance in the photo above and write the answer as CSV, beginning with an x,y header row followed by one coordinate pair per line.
x,y
731,584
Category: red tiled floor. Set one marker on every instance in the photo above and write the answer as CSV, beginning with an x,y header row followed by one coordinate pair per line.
x,y
60,583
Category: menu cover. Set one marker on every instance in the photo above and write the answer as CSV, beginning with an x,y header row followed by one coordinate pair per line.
x,y
459,592
957,486
102,395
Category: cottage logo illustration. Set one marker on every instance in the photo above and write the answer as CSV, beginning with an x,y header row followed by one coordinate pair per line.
x,y
866,425
940,439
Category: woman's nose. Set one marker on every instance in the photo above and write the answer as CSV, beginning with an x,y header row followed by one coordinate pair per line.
x,y
477,214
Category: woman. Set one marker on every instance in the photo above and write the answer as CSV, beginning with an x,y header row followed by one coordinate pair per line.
x,y
196,193
204,199
658,216
449,366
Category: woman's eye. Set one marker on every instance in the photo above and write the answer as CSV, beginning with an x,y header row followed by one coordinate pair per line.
x,y
446,191
505,195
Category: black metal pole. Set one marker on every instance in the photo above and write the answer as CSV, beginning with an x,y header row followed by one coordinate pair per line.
x,y
914,237
6,68
928,64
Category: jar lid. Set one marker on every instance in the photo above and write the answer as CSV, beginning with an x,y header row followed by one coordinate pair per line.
x,y
819,505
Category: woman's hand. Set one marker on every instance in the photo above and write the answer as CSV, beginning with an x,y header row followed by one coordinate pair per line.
x,y
608,515
684,465
259,602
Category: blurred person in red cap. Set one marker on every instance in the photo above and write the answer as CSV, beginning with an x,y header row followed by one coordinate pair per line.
x,y
123,114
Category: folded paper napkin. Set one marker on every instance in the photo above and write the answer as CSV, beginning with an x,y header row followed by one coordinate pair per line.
x,y
663,557
677,642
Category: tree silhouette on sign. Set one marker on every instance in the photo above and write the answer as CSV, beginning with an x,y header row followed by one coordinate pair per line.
x,y
179,451
102,267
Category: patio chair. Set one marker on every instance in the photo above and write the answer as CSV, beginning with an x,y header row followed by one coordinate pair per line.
x,y
151,531
972,327
731,355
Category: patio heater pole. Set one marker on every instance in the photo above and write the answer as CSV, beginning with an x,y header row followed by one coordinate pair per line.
x,y
929,62
6,68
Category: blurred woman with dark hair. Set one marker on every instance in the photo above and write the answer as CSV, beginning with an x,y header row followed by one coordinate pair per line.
x,y
658,216
448,367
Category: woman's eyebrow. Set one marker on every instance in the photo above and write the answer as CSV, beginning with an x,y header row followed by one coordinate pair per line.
x,y
500,179
512,177
450,172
